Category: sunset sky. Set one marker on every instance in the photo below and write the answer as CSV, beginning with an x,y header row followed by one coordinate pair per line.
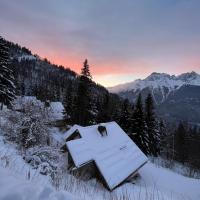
x,y
122,39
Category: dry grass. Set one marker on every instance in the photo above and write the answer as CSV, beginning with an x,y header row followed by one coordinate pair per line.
x,y
94,190
184,170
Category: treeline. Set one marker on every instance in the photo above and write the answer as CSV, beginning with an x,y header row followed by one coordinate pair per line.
x,y
142,124
182,143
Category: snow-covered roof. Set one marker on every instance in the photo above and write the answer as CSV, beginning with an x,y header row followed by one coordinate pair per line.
x,y
57,109
116,155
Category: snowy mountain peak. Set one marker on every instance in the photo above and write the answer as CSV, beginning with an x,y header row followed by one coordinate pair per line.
x,y
157,76
159,80
189,76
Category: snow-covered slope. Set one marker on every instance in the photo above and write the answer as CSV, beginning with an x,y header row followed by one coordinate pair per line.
x,y
155,183
14,187
159,80
169,182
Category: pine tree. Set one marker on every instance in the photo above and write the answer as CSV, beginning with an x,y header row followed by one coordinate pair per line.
x,y
181,143
82,106
138,126
85,71
164,145
104,109
68,104
124,120
152,126
7,87
194,147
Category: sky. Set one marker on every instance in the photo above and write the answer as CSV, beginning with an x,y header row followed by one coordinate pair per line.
x,y
122,39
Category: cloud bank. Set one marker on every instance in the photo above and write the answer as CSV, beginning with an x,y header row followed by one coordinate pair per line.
x,y
123,40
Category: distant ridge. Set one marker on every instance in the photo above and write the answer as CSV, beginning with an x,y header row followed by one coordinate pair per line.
x,y
156,80
177,98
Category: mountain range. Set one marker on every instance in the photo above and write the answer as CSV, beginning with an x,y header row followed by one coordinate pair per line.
x,y
177,98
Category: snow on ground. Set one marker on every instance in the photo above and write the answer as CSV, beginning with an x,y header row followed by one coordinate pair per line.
x,y
19,181
155,184
13,187
56,134
57,110
169,182
158,183
10,158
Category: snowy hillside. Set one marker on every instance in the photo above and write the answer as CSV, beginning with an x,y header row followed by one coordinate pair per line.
x,y
156,183
21,181
159,80
28,175
15,187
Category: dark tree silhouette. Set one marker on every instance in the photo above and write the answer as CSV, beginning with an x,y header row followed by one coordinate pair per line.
x,y
124,120
7,87
138,126
82,105
181,153
152,129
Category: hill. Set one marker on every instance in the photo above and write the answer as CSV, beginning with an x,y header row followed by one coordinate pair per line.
x,y
38,77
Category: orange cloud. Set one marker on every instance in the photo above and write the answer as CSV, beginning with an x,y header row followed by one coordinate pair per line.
x,y
114,70
74,61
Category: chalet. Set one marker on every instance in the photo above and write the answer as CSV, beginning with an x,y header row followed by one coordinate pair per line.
x,y
105,148
55,110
